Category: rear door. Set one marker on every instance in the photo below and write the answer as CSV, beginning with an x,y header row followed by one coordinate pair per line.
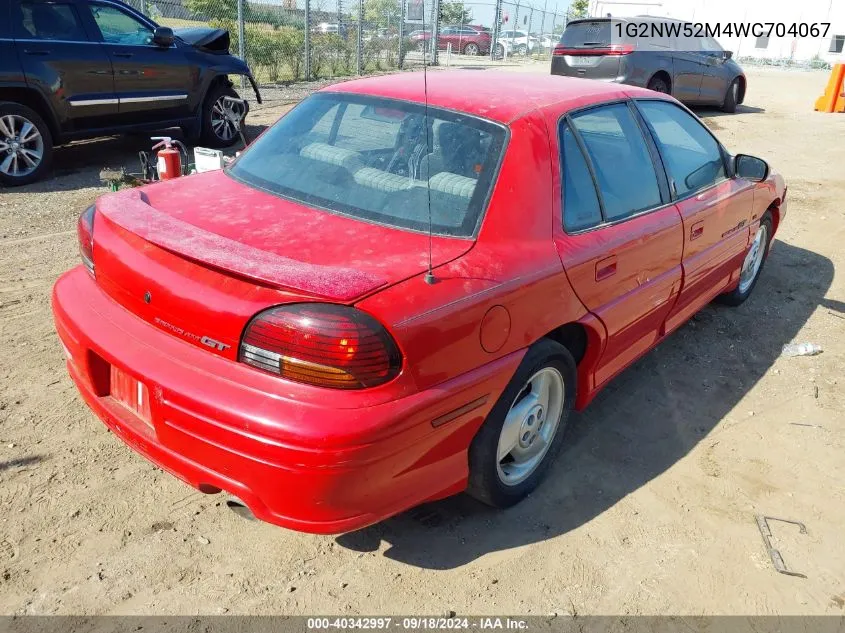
x,y
688,64
715,208
715,78
585,49
152,82
61,60
621,239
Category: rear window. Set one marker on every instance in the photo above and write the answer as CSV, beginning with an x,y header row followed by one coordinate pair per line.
x,y
594,34
379,160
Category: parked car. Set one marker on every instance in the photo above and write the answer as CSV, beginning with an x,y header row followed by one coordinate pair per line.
x,y
466,40
85,68
395,295
694,70
515,43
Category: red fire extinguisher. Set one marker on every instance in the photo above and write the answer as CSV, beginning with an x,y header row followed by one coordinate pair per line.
x,y
168,159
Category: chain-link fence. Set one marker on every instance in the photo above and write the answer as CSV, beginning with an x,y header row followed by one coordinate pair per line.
x,y
302,40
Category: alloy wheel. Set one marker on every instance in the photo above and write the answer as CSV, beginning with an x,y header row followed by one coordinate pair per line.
x,y
221,113
471,49
21,146
753,260
530,426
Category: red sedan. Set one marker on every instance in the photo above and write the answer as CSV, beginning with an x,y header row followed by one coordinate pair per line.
x,y
383,302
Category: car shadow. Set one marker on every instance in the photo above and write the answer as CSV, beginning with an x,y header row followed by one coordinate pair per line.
x,y
647,419
714,111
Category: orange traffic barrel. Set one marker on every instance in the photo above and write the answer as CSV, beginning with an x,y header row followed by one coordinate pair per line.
x,y
833,99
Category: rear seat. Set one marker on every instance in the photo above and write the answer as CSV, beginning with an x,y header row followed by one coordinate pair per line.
x,y
379,180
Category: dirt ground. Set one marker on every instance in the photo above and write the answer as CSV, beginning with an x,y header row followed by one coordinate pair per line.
x,y
650,508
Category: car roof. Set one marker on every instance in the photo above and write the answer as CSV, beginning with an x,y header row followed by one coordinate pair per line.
x,y
498,96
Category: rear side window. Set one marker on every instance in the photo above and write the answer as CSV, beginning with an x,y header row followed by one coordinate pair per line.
x,y
581,208
621,160
691,156
379,160
43,21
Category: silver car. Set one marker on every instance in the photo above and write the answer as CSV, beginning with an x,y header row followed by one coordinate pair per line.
x,y
654,53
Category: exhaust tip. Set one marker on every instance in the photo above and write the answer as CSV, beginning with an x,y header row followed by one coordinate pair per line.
x,y
240,508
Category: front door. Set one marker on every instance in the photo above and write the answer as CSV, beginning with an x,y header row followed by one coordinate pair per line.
x,y
153,83
715,208
59,59
621,241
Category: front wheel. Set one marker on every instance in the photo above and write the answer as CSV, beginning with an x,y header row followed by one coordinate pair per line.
x,y
26,145
218,129
752,265
514,448
731,97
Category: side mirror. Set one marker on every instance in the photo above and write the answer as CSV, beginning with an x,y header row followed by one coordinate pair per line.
x,y
727,54
163,36
750,167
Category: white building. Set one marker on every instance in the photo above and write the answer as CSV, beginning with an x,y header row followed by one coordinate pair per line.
x,y
829,46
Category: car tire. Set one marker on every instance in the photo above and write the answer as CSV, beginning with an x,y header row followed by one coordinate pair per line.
x,y
15,121
213,133
504,482
755,258
658,84
731,97
471,49
421,47
499,51
522,49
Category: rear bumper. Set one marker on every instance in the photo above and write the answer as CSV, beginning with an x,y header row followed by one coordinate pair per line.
x,y
216,425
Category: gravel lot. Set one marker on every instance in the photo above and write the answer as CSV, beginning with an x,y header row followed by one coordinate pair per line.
x,y
649,510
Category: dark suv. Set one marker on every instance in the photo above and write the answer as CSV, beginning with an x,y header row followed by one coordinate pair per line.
x,y
72,69
657,53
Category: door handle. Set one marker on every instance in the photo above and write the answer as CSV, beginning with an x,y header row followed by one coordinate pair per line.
x,y
125,55
606,268
696,230
36,51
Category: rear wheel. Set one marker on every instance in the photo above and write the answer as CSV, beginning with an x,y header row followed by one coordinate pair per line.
x,y
471,49
731,97
522,49
752,265
513,449
659,84
26,145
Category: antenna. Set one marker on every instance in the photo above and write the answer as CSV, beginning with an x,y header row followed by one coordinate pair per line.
x,y
429,275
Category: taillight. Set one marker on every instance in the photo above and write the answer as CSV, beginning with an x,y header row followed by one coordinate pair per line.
x,y
614,49
321,344
85,232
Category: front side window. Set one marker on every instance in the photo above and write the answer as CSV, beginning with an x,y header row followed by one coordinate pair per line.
x,y
624,170
118,27
53,21
691,156
379,160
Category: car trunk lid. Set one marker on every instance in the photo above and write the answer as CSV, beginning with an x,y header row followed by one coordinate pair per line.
x,y
201,255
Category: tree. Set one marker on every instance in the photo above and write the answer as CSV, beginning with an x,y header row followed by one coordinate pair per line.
x,y
578,8
455,13
381,12
214,9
